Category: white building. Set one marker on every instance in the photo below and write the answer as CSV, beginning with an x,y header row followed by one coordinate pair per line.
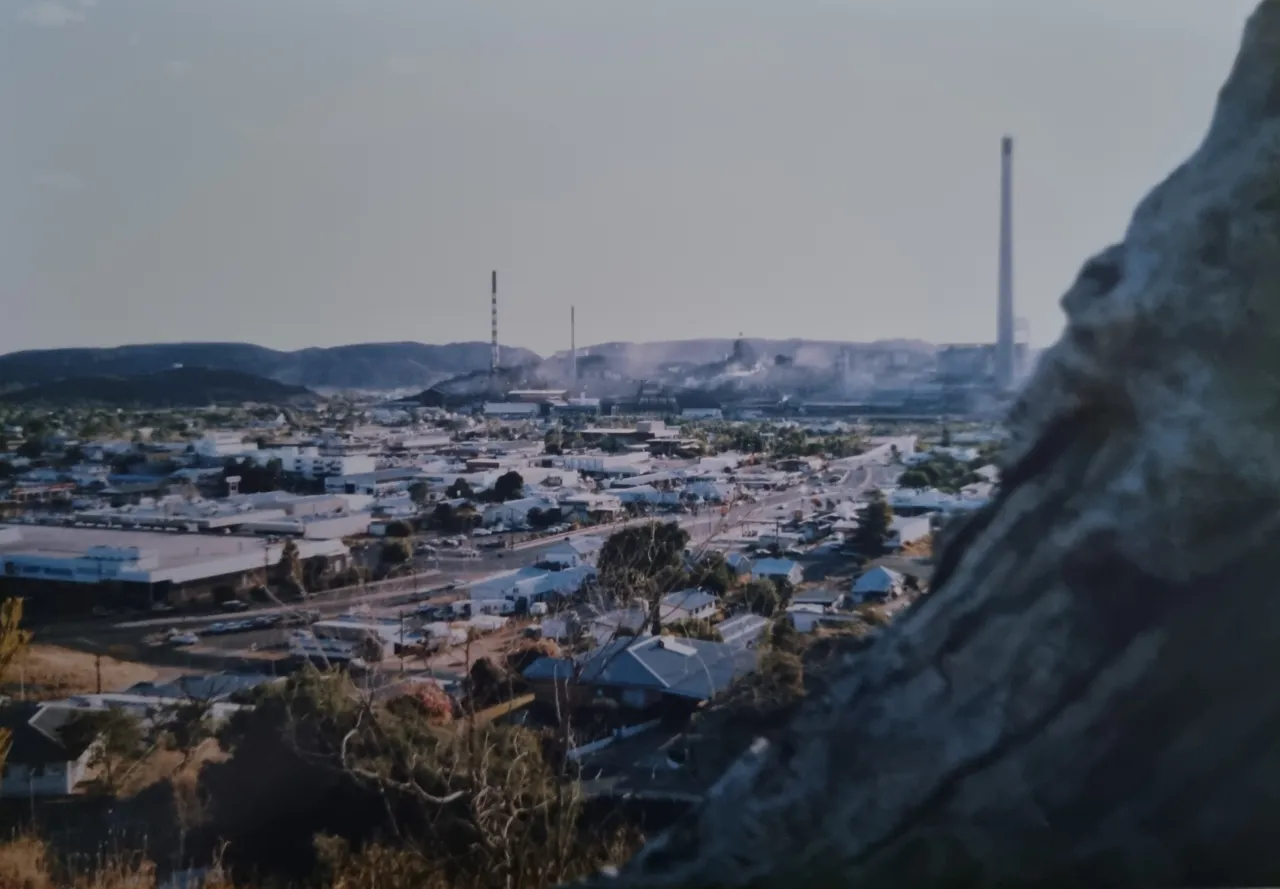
x,y
221,443
515,512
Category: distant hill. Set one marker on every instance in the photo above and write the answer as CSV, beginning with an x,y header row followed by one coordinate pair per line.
x,y
361,366
176,387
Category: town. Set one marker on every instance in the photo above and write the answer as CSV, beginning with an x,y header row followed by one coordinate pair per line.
x,y
510,563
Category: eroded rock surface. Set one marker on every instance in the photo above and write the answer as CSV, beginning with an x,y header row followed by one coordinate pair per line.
x,y
1092,694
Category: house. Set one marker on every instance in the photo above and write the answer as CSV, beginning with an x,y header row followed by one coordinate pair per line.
x,y
777,569
878,584
515,512
687,605
744,630
739,564
824,598
573,551
40,762
905,530
646,673
807,618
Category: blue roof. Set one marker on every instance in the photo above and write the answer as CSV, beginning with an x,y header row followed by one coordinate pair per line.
x,y
743,629
687,668
773,567
688,600
210,687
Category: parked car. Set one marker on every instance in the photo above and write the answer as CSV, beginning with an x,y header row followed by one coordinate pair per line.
x,y
482,532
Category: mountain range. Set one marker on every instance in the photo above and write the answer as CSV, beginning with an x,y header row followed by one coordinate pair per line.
x,y
608,368
361,366
175,387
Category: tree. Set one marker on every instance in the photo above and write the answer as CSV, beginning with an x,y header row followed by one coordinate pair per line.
x,y
460,490
396,552
419,493
712,573
32,449
399,528
314,757
509,486
13,642
290,567
759,597
693,628
946,437
116,737
648,550
874,521
186,728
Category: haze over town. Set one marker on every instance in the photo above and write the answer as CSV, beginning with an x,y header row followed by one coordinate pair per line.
x,y
337,171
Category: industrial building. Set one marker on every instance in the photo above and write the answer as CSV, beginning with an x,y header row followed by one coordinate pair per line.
x,y
65,570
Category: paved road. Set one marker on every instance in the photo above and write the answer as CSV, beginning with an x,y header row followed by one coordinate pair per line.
x,y
435,574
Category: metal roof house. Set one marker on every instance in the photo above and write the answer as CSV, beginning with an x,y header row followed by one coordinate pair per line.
x,y
643,673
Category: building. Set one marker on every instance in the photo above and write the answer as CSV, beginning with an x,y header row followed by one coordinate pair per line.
x,y
515,410
644,674
61,569
878,584
516,512
687,605
573,551
743,630
219,443
777,569
40,761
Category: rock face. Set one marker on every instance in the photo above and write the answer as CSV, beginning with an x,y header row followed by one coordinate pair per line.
x,y
1090,695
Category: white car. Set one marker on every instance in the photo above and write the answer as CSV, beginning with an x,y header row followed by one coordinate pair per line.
x,y
183,639
482,532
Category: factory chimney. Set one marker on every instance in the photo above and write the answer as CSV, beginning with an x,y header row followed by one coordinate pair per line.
x,y
493,308
1006,375
573,346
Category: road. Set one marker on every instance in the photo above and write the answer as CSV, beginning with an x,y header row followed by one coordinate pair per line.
x,y
434,576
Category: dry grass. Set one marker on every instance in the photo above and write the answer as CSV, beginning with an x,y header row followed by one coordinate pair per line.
x,y
51,671
166,765
26,863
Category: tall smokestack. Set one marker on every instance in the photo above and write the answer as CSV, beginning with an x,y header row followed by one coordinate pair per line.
x,y
1006,376
573,345
493,308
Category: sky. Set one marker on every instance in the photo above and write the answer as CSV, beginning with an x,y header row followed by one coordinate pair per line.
x,y
316,172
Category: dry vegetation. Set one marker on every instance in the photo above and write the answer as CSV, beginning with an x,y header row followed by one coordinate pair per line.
x,y
51,671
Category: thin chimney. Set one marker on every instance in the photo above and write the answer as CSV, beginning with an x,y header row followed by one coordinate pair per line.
x,y
1005,361
573,345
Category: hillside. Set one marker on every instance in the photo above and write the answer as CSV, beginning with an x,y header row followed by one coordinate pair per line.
x,y
360,366
176,387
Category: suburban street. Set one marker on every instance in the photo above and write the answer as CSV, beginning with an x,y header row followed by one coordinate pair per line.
x,y
436,578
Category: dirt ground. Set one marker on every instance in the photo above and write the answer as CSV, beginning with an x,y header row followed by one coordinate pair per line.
x,y
50,671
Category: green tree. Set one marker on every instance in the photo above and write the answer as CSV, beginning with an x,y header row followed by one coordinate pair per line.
x,y
759,597
460,490
290,568
116,738
396,552
32,449
693,628
874,521
419,493
712,573
399,528
509,486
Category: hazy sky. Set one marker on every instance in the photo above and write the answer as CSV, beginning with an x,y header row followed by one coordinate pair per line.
x,y
314,172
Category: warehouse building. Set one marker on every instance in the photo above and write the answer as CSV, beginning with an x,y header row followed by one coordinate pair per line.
x,y
66,570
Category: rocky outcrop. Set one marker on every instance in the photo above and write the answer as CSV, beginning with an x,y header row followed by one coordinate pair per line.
x,y
1089,695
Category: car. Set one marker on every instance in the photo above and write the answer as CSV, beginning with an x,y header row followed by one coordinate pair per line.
x,y
234,605
179,639
482,532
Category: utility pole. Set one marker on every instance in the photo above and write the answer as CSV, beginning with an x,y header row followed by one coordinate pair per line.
x,y
97,668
